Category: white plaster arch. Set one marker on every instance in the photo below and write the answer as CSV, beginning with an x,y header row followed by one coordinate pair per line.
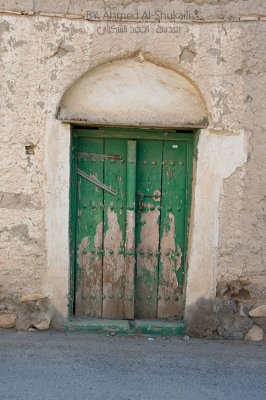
x,y
133,92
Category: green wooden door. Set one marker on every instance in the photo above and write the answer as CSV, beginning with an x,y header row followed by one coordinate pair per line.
x,y
160,227
132,204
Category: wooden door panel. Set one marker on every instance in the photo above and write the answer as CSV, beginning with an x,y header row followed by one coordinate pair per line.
x,y
172,230
114,265
148,199
88,298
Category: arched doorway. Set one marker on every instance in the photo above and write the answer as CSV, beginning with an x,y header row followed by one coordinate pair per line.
x,y
131,188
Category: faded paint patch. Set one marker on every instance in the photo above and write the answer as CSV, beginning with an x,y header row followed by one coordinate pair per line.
x,y
147,262
89,277
170,262
114,269
113,240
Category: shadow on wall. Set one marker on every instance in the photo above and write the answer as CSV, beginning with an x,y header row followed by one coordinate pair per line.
x,y
217,317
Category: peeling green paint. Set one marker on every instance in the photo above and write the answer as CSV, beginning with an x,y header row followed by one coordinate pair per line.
x,y
163,175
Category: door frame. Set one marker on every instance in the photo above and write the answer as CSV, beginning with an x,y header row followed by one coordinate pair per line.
x,y
190,136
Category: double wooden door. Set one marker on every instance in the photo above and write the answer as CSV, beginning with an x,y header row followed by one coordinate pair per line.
x,y
132,204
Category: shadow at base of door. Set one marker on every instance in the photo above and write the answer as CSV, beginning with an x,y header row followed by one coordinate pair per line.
x,y
126,327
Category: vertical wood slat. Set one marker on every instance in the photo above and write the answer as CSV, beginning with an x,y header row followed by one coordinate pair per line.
x,y
130,230
114,266
172,230
89,228
149,165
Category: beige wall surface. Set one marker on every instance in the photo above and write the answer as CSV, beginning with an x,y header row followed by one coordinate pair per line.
x,y
42,56
96,8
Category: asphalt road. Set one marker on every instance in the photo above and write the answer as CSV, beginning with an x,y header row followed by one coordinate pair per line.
x,y
85,366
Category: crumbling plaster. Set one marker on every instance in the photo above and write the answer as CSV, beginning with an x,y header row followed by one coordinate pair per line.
x,y
41,58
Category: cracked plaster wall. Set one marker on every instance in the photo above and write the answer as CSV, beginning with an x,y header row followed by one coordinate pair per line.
x,y
41,58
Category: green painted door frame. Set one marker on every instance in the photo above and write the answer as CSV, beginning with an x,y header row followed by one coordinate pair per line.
x,y
149,138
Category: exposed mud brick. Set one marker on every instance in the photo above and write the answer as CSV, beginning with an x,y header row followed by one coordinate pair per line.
x,y
32,297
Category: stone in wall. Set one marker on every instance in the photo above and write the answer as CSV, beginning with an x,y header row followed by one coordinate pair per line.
x,y
258,312
7,320
24,312
255,334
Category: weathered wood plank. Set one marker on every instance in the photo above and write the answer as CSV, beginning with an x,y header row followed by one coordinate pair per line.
x,y
114,265
172,231
130,230
149,165
88,299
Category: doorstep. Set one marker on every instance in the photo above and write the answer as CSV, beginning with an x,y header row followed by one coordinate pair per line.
x,y
149,327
